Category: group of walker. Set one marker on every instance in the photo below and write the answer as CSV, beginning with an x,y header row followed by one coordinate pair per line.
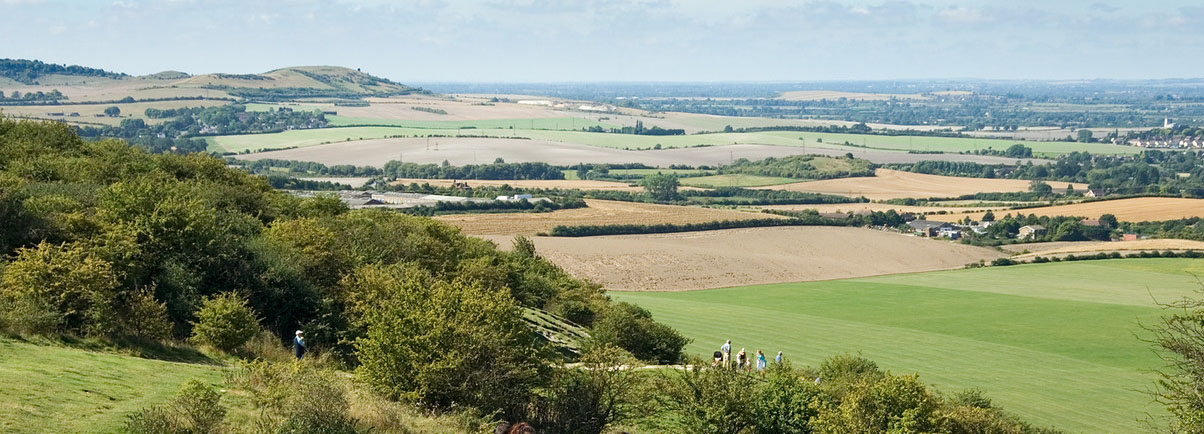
x,y
723,357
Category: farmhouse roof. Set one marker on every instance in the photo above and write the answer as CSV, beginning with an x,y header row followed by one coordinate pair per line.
x,y
1091,222
925,224
1034,227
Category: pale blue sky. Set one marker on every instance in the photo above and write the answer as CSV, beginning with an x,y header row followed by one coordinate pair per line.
x,y
620,40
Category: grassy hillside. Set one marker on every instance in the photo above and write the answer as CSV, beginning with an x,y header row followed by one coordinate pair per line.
x,y
299,82
1056,343
55,388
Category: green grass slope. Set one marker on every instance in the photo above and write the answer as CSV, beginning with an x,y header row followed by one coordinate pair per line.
x,y
1058,344
57,389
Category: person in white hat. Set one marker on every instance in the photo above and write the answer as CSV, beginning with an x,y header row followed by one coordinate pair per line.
x,y
299,344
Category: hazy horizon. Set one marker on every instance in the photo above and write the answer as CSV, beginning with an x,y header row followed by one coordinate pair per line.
x,y
622,41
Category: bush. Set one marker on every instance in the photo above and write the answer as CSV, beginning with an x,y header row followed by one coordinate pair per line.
x,y
29,314
444,344
196,409
60,287
224,322
717,401
144,317
786,402
603,391
295,397
631,328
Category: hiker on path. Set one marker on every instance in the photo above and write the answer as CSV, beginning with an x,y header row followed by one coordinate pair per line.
x,y
778,359
761,361
726,349
299,344
741,360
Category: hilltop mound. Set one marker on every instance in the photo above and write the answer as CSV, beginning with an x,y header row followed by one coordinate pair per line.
x,y
300,82
168,75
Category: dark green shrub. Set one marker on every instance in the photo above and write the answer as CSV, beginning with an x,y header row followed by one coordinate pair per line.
x,y
603,391
444,344
708,401
225,322
631,328
785,402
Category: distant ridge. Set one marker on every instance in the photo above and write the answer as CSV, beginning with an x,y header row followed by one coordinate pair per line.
x,y
29,71
300,82
288,83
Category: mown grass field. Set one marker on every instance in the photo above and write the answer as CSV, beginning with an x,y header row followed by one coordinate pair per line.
x,y
829,141
58,389
1059,344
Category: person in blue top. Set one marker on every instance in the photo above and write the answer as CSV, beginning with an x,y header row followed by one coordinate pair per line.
x,y
761,363
778,359
299,344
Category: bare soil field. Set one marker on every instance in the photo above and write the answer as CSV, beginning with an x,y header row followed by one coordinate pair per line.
x,y
568,184
878,207
466,150
1092,247
599,212
893,184
734,257
1135,209
816,95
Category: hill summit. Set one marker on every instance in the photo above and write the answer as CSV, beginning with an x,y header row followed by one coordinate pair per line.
x,y
300,81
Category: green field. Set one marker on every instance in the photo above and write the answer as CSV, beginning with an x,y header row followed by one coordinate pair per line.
x,y
565,123
237,143
57,389
736,180
1055,343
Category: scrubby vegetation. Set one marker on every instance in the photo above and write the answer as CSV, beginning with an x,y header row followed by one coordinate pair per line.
x,y
803,167
28,71
179,133
106,240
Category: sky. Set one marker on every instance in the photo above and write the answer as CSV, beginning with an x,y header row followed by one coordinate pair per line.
x,y
621,40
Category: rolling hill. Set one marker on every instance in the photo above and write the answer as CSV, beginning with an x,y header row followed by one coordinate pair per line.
x,y
318,81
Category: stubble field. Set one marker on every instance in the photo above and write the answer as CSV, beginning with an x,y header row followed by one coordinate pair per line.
x,y
716,259
894,184
599,212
